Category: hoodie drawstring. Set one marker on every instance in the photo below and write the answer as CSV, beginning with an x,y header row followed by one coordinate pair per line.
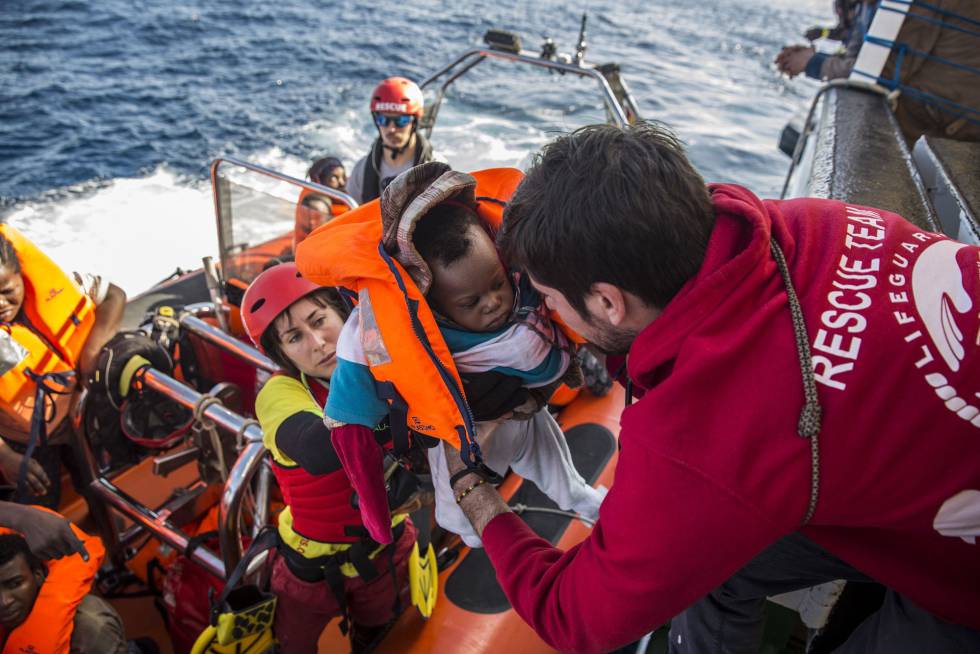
x,y
809,423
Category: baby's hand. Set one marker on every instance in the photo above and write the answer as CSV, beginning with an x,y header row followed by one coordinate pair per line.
x,y
528,408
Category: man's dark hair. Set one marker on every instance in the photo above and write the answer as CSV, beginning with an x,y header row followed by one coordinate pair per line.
x,y
608,204
13,544
442,234
326,297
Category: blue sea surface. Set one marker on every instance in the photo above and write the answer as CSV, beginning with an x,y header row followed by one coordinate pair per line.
x,y
94,94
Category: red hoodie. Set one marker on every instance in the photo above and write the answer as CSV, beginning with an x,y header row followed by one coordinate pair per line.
x,y
712,469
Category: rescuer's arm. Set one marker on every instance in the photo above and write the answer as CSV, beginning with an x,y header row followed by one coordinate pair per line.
x,y
483,503
108,316
667,535
47,534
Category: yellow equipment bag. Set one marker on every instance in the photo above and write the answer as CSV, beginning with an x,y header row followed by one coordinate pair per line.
x,y
242,616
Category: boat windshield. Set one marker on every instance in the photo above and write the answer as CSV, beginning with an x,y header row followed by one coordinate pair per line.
x,y
258,211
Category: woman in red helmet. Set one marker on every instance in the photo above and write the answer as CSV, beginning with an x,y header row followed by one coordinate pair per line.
x,y
396,107
326,565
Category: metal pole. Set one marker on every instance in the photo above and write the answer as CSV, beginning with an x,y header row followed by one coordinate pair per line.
x,y
156,524
532,58
230,508
240,475
240,349
332,193
89,472
223,417
214,290
262,489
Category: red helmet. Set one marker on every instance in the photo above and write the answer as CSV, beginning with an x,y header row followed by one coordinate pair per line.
x,y
269,294
397,95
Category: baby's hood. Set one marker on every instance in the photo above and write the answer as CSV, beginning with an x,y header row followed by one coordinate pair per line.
x,y
409,197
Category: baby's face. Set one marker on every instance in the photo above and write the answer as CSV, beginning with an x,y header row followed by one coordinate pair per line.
x,y
474,292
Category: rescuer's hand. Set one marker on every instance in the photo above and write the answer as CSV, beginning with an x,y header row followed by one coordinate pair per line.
x,y
37,479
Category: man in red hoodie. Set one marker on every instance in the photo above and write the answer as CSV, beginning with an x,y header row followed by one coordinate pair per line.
x,y
808,383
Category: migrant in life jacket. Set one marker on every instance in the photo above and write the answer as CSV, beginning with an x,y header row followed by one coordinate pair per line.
x,y
48,629
48,335
402,341
308,219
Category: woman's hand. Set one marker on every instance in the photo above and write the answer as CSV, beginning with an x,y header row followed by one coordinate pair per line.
x,y
10,462
108,317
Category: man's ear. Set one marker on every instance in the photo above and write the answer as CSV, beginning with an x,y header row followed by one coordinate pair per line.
x,y
608,301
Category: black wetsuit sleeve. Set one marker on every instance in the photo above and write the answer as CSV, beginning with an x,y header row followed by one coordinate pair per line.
x,y
306,440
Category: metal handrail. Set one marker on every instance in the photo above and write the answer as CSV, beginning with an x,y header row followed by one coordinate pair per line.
x,y
239,477
156,524
193,323
188,397
582,69
312,186
101,495
807,129
249,462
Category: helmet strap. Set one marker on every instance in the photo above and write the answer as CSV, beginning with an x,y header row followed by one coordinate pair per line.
x,y
396,152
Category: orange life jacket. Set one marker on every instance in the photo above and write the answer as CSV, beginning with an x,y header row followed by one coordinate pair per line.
x,y
48,629
408,350
52,326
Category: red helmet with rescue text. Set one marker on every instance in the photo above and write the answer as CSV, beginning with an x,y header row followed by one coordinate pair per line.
x,y
269,294
397,95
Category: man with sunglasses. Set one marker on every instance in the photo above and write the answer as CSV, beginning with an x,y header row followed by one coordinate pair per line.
x,y
396,107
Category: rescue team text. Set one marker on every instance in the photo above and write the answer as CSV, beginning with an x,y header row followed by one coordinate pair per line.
x,y
837,342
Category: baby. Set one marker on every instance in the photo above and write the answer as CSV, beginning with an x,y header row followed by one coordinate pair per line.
x,y
490,322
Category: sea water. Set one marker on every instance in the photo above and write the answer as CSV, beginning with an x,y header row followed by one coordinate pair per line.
x,y
112,110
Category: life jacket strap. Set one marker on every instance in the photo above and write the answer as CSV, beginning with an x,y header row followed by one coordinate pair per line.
x,y
481,470
401,438
39,421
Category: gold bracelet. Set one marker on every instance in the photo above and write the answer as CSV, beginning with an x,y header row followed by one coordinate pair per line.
x,y
479,482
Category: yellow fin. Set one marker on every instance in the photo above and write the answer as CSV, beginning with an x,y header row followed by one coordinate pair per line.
x,y
423,575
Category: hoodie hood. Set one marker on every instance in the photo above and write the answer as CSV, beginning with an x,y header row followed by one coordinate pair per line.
x,y
737,257
407,199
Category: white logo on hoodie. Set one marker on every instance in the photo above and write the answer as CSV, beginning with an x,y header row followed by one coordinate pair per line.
x,y
959,516
940,297
937,289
